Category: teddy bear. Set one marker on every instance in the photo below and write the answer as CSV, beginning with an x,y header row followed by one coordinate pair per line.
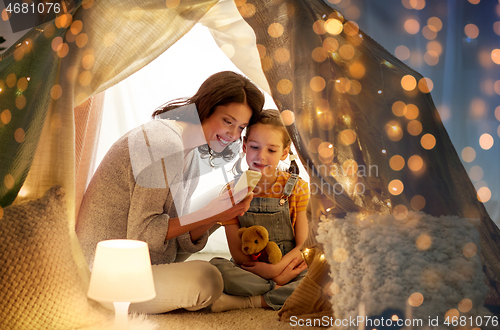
x,y
255,243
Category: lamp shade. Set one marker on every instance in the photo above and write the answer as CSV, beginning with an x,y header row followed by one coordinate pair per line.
x,y
122,272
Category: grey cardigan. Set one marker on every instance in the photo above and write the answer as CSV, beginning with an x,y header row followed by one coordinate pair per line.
x,y
129,196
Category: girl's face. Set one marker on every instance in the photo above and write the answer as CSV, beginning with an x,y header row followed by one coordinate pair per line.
x,y
264,148
225,125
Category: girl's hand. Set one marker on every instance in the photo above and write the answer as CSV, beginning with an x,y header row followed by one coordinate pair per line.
x,y
294,268
263,269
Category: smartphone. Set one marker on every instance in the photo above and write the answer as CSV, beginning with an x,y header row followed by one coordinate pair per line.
x,y
248,179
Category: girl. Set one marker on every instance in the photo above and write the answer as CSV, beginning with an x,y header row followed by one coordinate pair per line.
x,y
279,204
142,188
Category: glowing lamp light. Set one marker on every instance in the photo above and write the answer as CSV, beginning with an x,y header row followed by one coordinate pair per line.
x,y
121,275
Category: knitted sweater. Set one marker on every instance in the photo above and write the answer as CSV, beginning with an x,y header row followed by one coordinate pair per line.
x,y
142,182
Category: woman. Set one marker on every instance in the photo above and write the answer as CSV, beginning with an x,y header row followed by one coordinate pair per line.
x,y
142,189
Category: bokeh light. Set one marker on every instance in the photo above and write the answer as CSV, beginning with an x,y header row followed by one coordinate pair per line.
x,y
347,137
247,10
317,83
429,33
314,144
275,30
319,54
397,162
478,108
411,111
19,135
351,28
414,127
393,130
288,117
465,305
496,27
20,102
56,92
325,150
6,116
9,181
452,314
416,299
474,2
400,212
486,141
484,194
471,31
395,187
350,167
497,113
435,24
417,202
495,56
425,85
346,52
357,70
408,82
412,26
434,46
428,141
399,108
333,26
342,85
340,255
470,250
281,55
285,86
476,173
402,52
319,27
352,12
330,44
468,154
415,163
417,4
423,242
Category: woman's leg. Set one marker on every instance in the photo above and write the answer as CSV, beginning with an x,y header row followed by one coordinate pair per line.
x,y
191,285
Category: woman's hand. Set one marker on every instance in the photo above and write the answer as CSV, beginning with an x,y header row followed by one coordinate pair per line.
x,y
224,209
294,268
263,269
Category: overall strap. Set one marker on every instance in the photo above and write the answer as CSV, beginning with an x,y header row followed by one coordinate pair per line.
x,y
287,191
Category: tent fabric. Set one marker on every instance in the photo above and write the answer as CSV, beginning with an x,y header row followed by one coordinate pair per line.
x,y
67,60
344,90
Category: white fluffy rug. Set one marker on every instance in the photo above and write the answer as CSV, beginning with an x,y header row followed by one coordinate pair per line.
x,y
420,267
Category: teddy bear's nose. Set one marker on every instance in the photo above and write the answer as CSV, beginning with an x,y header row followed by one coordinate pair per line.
x,y
245,248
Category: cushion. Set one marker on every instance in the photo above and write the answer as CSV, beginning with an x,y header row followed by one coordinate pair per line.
x,y
421,265
40,285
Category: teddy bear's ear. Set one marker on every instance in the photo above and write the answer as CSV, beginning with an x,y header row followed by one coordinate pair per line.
x,y
241,231
262,232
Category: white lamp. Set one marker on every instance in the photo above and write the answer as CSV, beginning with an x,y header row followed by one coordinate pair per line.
x,y
121,274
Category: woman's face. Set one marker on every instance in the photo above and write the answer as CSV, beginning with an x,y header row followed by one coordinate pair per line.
x,y
264,148
226,124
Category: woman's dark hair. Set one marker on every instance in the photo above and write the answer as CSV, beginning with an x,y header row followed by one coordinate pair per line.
x,y
273,118
221,88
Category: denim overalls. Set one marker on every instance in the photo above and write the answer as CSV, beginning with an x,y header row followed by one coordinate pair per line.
x,y
274,215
